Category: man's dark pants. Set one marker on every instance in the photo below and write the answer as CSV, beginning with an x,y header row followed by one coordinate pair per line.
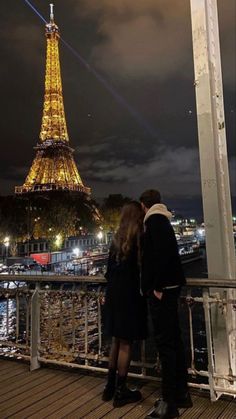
x,y
165,319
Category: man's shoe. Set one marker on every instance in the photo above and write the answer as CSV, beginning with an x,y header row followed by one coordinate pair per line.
x,y
108,393
184,402
123,396
163,410
157,402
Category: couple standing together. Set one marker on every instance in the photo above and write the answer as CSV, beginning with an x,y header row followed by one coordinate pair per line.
x,y
144,266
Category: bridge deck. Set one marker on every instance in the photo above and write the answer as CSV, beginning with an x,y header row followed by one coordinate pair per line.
x,y
55,393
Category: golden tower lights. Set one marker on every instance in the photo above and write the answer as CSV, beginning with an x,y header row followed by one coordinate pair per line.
x,y
54,167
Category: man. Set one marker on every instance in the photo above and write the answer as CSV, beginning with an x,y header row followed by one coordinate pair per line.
x,y
162,278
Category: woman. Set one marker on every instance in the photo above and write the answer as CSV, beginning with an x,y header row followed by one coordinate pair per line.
x,y
125,307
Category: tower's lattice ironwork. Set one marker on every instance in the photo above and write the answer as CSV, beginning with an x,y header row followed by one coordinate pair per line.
x,y
54,167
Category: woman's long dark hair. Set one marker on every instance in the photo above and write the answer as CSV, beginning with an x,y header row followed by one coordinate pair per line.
x,y
129,230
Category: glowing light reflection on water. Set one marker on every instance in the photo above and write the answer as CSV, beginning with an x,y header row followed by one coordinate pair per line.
x,y
7,318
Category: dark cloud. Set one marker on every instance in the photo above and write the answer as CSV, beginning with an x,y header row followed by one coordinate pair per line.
x,y
175,170
172,167
137,35
150,38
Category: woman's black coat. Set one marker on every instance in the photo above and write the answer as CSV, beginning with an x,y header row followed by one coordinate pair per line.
x,y
125,307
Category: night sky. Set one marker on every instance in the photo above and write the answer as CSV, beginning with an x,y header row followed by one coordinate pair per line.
x,y
143,49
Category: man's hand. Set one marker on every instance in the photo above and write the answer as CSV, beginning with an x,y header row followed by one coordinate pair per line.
x,y
158,294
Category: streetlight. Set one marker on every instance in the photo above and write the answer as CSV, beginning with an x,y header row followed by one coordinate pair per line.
x,y
100,236
6,243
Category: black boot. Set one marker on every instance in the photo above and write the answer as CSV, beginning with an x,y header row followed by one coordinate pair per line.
x,y
163,410
123,395
109,388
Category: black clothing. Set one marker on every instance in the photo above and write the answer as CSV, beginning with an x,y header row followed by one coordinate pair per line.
x,y
169,343
161,261
162,269
123,395
110,387
125,308
164,410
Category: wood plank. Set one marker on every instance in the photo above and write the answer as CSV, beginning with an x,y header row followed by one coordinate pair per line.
x,y
229,412
214,409
91,404
5,364
116,413
15,397
35,407
25,378
26,384
37,393
16,376
15,370
100,410
55,403
88,394
13,381
142,409
57,394
16,365
199,406
9,372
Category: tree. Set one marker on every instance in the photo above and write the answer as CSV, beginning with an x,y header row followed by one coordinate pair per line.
x,y
110,211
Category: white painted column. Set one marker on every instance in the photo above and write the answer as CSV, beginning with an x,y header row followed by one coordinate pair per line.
x,y
214,175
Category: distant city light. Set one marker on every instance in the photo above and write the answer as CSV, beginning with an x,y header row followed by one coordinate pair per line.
x,y
175,223
76,251
58,240
6,241
100,235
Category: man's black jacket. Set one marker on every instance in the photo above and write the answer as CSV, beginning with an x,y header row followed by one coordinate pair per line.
x,y
161,265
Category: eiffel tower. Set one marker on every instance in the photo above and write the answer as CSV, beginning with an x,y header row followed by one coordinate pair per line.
x,y
54,167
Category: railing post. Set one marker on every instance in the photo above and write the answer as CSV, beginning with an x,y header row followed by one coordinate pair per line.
x,y
211,365
7,318
99,323
73,320
35,330
17,316
86,328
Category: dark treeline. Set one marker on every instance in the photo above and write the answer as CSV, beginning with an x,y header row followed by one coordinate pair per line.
x,y
33,216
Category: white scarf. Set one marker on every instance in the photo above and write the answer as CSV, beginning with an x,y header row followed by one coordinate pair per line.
x,y
158,209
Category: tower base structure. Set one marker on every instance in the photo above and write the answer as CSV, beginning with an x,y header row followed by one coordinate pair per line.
x,y
49,187
53,169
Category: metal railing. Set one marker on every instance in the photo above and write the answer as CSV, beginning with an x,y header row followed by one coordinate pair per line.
x,y
59,320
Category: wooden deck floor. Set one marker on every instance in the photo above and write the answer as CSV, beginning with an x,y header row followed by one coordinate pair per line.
x,y
53,393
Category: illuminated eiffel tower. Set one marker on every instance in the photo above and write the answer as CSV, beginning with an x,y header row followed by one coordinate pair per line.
x,y
54,167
